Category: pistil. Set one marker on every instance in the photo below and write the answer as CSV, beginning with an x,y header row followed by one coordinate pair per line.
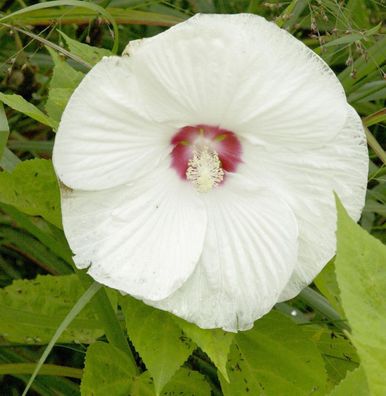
x,y
204,169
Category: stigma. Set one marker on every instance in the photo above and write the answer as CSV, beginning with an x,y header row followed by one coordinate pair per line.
x,y
204,169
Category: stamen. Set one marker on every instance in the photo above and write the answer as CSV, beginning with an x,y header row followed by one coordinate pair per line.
x,y
204,169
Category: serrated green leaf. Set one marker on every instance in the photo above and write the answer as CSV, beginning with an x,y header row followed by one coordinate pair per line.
x,y
361,274
63,83
18,103
91,55
32,188
31,310
157,338
215,343
274,358
185,382
338,353
355,383
108,371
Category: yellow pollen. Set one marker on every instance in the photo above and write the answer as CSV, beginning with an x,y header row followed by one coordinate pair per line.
x,y
204,169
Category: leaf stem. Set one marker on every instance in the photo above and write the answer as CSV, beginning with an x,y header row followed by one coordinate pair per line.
x,y
320,304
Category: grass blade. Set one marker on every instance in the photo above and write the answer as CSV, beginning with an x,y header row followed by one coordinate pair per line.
x,y
82,302
373,143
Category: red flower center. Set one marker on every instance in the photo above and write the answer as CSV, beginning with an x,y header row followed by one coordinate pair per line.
x,y
204,154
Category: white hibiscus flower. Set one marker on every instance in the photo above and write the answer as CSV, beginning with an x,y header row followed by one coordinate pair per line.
x,y
201,167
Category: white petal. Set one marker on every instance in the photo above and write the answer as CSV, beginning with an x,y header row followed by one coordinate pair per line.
x,y
306,180
249,253
104,138
242,73
144,239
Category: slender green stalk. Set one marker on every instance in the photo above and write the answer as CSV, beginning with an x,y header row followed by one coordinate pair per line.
x,y
81,303
320,304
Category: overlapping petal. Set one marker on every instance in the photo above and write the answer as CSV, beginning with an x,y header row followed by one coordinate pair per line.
x,y
105,138
144,239
248,257
241,73
306,180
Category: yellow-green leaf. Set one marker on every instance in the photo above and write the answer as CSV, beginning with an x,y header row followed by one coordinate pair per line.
x,y
18,103
32,188
157,338
274,358
361,273
108,371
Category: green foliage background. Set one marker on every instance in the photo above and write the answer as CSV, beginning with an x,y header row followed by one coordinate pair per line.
x,y
330,340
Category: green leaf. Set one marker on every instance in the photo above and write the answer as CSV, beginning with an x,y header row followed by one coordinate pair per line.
x,y
327,284
354,384
63,82
215,343
349,39
108,371
9,160
361,274
185,382
91,55
274,358
4,130
157,338
31,311
32,188
337,351
18,103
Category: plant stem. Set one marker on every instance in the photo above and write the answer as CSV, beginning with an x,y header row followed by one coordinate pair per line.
x,y
320,304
